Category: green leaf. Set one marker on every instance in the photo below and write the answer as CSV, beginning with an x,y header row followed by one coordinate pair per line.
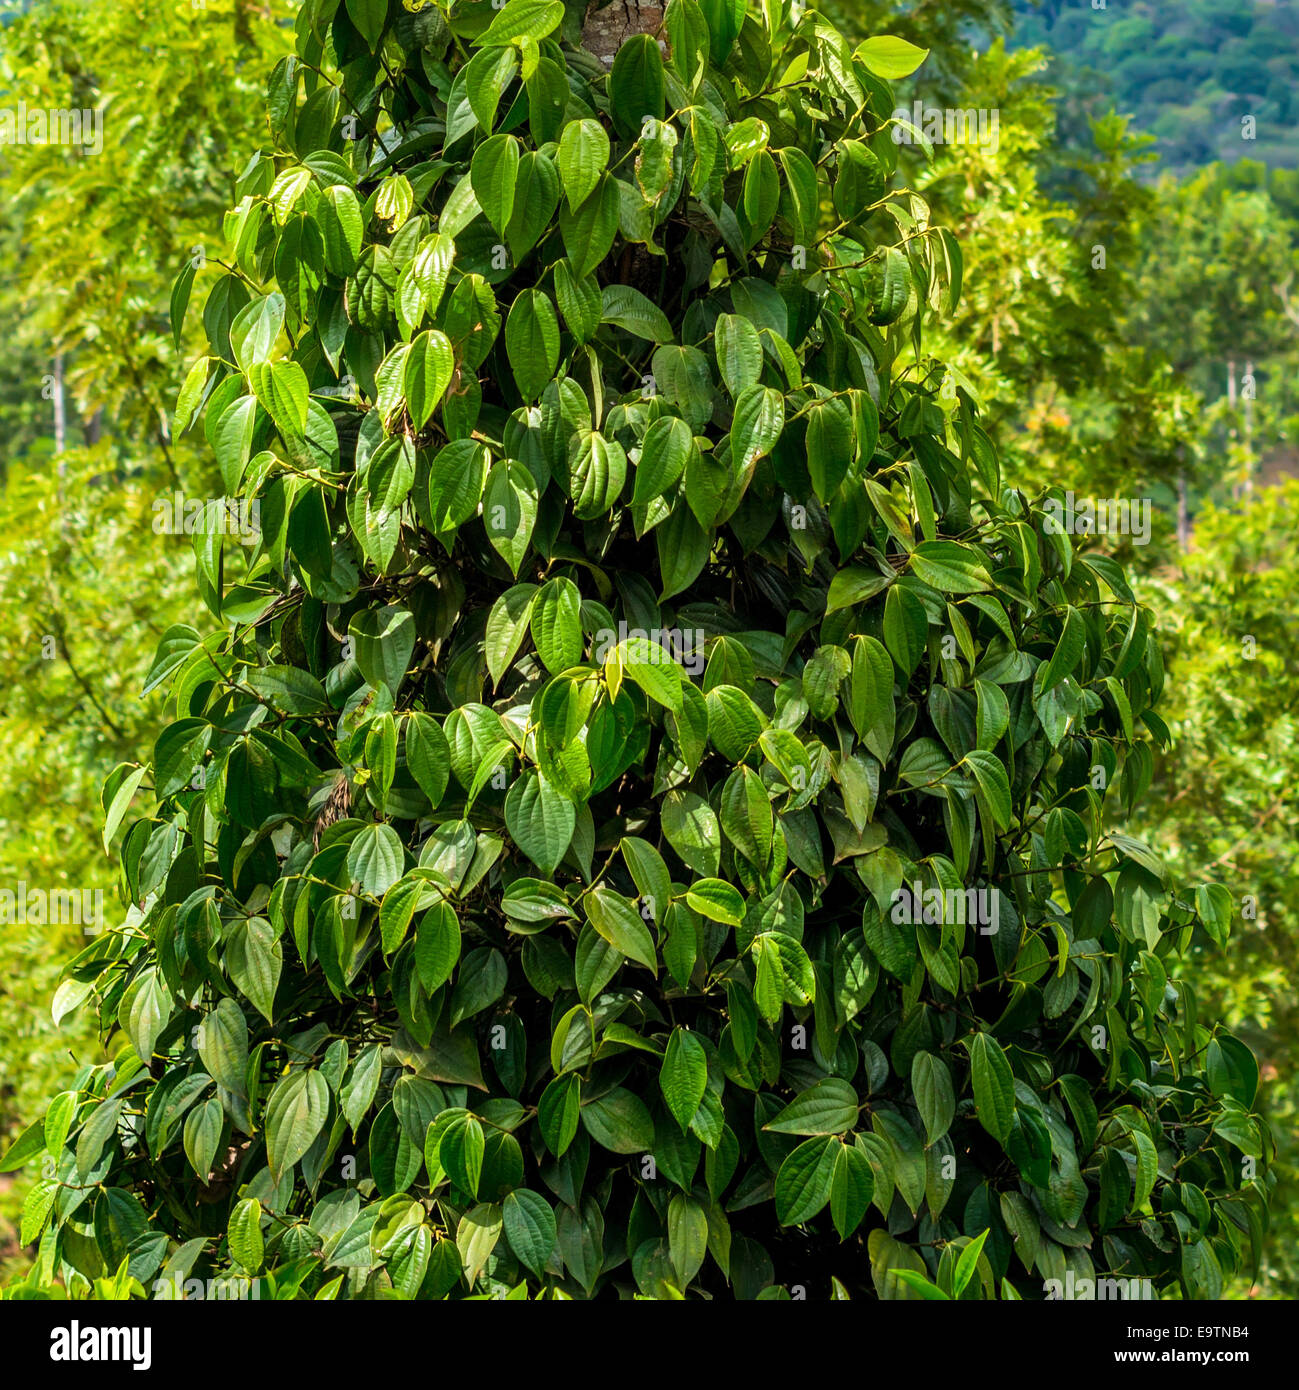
x,y
829,446
950,567
456,480
281,388
688,1233
437,946
369,16
757,425
597,469
724,19
913,1279
510,502
683,549
853,586
180,749
180,293
245,1230
994,1085
59,1115
296,1111
120,804
739,353
683,1077
254,958
1068,652
906,628
653,668
202,1136
29,1144
588,231
558,1112
851,1189
342,229
888,283
829,1107
804,1180
361,1087
529,1224
384,641
579,302
191,395
1147,1170
628,308
532,341
931,1085
289,690
717,900
535,201
967,1264
256,329
746,816
663,453
430,365
556,624
476,1237
583,156
994,785
494,173
690,826
432,267
860,180
540,821
486,76
375,859
427,755
621,925
522,19
507,623
460,1150
889,57
222,1041
619,1121
637,88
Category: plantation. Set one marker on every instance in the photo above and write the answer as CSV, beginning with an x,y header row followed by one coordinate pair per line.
x,y
644,812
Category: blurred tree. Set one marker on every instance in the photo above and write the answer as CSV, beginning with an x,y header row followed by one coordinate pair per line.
x,y
91,243
1224,801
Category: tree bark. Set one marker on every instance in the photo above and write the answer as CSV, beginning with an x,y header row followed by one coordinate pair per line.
x,y
605,28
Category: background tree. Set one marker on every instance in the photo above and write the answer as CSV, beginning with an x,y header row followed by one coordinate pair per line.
x,y
87,582
473,945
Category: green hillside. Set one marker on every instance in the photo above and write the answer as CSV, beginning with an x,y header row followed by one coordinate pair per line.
x,y
1188,71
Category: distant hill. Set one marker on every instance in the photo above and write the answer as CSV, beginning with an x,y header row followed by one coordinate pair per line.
x,y
1187,71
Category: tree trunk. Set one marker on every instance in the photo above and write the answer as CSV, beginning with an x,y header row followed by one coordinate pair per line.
x,y
1249,427
605,29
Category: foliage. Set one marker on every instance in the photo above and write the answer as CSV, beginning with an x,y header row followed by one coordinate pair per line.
x,y
87,583
475,945
1076,396
1223,802
1188,71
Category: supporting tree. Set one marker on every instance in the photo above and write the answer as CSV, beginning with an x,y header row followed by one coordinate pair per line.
x,y
639,824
